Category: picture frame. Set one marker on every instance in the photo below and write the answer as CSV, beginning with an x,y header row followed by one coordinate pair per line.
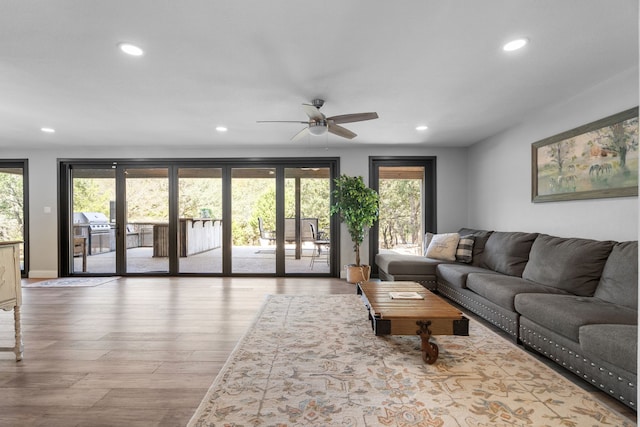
x,y
596,160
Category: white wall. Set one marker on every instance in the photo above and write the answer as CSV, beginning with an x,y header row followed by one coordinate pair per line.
x,y
354,160
499,184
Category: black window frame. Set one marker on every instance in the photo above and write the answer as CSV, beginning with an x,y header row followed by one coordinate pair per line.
x,y
226,164
429,207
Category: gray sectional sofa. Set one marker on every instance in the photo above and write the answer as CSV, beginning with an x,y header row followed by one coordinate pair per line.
x,y
573,300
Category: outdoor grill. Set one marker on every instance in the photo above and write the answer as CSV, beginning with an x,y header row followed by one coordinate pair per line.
x,y
95,227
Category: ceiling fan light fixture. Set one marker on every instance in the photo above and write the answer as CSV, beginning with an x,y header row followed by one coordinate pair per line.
x,y
318,128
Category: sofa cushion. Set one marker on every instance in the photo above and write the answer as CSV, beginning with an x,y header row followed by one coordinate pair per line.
x,y
502,289
464,253
508,252
572,264
456,274
565,314
615,344
443,246
480,240
619,280
401,264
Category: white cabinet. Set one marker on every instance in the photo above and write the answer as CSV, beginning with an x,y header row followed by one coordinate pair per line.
x,y
11,290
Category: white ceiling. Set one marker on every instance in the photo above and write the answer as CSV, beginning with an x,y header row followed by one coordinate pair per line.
x,y
231,63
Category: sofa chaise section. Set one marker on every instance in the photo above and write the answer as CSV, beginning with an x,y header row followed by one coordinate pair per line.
x,y
399,267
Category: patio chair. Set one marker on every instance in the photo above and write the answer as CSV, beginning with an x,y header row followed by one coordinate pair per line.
x,y
320,243
80,249
269,236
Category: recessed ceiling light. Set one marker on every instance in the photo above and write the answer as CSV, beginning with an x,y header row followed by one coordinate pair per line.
x,y
422,127
48,130
130,49
515,44
221,128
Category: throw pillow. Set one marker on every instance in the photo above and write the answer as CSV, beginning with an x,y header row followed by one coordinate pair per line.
x,y
443,246
425,242
464,253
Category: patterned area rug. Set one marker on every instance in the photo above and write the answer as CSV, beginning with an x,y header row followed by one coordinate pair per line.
x,y
313,360
68,282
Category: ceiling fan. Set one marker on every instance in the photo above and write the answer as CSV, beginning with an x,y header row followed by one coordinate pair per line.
x,y
319,124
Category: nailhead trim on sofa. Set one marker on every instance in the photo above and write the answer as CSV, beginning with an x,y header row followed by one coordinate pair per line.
x,y
579,365
496,318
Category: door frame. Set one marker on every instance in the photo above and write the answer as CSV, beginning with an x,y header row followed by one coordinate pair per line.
x,y
22,164
429,201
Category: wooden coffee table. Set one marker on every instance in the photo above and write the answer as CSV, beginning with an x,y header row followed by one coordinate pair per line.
x,y
427,316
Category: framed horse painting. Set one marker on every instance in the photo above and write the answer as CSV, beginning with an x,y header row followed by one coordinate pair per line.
x,y
596,160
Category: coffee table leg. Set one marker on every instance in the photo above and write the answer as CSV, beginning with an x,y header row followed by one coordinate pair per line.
x,y
429,349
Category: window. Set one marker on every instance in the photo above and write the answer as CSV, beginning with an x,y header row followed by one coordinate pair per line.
x,y
407,189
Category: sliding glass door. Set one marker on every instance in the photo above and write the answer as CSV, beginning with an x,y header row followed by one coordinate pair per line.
x,y
200,222
146,228
205,217
92,235
307,224
253,220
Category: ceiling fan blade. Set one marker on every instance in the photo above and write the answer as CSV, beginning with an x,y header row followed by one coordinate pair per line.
x,y
304,132
340,131
349,118
280,121
313,112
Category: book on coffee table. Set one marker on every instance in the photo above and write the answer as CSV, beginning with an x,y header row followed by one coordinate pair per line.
x,y
405,295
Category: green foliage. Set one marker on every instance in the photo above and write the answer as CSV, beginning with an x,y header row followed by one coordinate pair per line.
x,y
357,206
11,207
314,203
400,208
200,193
315,200
264,207
147,200
93,195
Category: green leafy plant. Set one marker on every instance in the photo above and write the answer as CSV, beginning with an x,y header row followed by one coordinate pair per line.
x,y
357,206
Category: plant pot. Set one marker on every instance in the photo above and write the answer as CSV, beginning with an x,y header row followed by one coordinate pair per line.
x,y
357,274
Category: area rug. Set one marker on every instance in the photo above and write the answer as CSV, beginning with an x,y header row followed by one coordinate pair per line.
x,y
67,282
314,361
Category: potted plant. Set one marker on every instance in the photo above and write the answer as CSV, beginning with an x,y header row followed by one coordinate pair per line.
x,y
357,206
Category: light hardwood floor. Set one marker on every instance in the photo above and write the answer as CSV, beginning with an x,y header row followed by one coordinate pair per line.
x,y
132,352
